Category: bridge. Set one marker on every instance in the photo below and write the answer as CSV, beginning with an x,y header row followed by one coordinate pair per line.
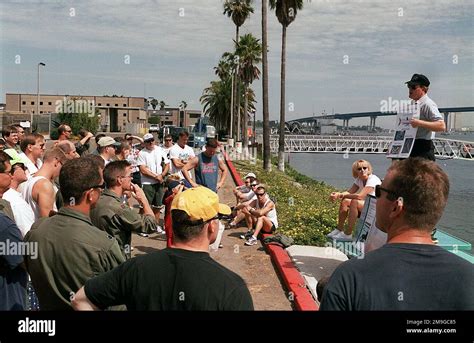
x,y
308,124
444,148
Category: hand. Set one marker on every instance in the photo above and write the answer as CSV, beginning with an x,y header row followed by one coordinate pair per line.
x,y
334,196
159,177
219,185
138,194
416,122
89,135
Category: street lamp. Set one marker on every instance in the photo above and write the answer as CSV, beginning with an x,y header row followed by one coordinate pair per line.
x,y
38,96
254,134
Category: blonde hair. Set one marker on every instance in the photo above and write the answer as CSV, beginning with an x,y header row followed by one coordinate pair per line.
x,y
358,164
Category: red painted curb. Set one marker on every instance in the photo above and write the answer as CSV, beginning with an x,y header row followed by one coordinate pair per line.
x,y
292,278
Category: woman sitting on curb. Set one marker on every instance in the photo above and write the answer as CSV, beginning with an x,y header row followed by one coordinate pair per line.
x,y
352,200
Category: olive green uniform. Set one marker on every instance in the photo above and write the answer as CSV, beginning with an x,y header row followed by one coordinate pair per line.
x,y
6,209
119,220
70,251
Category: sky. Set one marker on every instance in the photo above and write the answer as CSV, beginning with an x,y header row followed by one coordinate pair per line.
x,y
342,56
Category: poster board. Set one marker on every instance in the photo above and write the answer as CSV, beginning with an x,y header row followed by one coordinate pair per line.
x,y
405,134
367,235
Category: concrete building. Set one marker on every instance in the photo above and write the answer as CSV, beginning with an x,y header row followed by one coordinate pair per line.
x,y
117,113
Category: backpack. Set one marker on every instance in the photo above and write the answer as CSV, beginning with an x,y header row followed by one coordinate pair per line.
x,y
281,239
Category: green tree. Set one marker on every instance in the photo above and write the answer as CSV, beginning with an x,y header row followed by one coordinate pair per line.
x,y
78,117
162,105
154,103
239,11
285,11
249,51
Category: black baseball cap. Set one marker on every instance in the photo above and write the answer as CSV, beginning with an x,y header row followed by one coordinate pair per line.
x,y
418,79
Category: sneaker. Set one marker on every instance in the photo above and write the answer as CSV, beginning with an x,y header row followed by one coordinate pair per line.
x,y
159,230
251,241
221,246
247,235
231,225
143,234
341,236
333,233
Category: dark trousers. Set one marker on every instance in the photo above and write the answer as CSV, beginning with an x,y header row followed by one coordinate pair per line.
x,y
423,148
137,179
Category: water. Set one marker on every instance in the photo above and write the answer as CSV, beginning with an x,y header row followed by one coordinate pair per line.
x,y
334,169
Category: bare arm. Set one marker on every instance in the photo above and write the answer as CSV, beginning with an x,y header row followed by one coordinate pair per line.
x,y
341,195
223,169
43,194
139,195
147,172
86,138
435,126
80,302
177,163
263,211
188,166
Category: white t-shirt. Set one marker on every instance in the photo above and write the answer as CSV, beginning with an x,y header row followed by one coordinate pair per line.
x,y
185,153
372,181
152,159
24,216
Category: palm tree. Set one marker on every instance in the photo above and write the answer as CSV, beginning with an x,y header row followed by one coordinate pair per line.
x,y
239,11
183,105
162,105
216,103
154,103
285,11
267,165
249,51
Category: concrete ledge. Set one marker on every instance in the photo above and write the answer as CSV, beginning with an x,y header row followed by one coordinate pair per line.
x,y
294,282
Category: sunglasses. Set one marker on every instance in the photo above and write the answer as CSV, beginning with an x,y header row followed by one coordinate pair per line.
x,y
362,168
254,184
260,194
379,189
413,87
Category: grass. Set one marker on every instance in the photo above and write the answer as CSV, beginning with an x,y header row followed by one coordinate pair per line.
x,y
303,207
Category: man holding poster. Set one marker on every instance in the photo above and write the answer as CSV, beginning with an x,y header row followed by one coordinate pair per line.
x,y
430,120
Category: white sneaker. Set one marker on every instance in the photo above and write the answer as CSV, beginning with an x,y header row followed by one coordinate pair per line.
x,y
159,230
342,237
333,233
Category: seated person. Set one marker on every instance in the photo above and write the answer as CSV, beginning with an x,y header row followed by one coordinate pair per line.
x,y
262,214
352,200
240,211
242,192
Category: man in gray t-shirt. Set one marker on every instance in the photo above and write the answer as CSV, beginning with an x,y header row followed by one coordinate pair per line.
x,y
430,121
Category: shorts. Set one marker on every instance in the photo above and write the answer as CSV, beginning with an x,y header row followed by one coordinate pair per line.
x,y
154,193
137,179
423,148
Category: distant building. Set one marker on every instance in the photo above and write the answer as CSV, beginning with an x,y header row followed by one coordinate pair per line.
x,y
117,113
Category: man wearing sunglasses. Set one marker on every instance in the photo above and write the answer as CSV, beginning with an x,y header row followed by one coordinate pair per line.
x,y
32,147
183,277
409,272
70,248
430,121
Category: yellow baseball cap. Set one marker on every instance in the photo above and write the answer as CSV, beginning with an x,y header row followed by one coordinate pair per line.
x,y
200,203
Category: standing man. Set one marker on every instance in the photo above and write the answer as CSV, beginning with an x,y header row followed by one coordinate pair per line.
x,y
40,191
10,135
409,273
150,161
430,121
13,277
168,144
180,154
133,157
106,147
65,132
32,147
24,216
184,277
70,249
116,218
206,166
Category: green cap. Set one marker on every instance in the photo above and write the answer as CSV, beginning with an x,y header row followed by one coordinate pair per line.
x,y
15,158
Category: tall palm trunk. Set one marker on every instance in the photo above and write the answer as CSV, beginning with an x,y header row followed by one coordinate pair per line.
x,y
234,95
245,121
266,116
281,140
